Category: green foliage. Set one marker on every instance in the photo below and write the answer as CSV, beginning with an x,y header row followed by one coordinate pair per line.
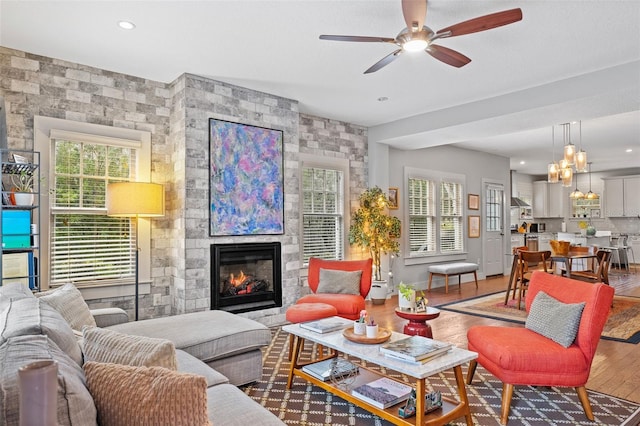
x,y
373,229
405,290
23,182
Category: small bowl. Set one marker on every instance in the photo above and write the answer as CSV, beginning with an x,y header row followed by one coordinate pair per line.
x,y
560,248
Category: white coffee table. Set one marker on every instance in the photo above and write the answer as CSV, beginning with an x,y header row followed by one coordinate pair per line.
x,y
454,359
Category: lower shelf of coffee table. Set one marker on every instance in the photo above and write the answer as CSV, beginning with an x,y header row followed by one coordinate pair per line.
x,y
450,410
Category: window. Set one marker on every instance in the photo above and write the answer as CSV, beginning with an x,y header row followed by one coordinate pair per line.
x,y
493,199
86,244
79,242
435,217
323,212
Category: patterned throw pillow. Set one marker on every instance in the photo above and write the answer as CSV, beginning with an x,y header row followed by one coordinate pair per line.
x,y
139,396
339,282
69,302
102,345
553,319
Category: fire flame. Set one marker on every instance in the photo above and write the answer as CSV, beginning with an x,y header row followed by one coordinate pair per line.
x,y
236,281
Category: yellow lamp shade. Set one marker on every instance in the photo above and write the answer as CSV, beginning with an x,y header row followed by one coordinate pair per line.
x,y
135,199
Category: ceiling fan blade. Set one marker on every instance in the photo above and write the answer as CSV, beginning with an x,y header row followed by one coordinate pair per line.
x,y
448,56
358,38
384,61
414,12
482,23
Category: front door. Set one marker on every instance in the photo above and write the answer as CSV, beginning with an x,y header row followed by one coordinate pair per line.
x,y
494,228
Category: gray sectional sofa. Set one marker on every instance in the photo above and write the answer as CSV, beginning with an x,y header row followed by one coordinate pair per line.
x,y
222,347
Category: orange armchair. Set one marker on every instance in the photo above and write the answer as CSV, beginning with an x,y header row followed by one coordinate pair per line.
x,y
519,356
348,305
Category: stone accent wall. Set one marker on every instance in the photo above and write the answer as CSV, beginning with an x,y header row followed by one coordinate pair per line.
x,y
177,115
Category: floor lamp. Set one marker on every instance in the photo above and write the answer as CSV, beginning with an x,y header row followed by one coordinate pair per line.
x,y
136,200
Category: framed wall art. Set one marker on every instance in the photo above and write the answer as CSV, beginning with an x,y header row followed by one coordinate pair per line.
x,y
246,183
473,201
474,226
394,195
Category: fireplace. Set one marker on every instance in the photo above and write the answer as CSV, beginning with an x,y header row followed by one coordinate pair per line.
x,y
246,277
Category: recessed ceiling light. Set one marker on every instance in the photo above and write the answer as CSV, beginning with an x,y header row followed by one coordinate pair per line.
x,y
126,25
383,99
522,162
629,150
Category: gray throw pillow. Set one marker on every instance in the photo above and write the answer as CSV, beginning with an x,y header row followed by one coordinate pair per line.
x,y
553,319
339,282
69,302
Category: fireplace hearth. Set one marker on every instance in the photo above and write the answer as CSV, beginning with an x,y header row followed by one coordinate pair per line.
x,y
246,277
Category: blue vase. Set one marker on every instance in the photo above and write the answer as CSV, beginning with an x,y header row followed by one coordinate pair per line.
x,y
591,231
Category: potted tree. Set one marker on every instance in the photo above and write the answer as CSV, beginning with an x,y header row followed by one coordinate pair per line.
x,y
374,230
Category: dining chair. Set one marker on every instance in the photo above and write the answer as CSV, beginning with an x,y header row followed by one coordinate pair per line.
x,y
596,275
530,261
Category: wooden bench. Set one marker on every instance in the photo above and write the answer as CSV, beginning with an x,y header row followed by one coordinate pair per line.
x,y
447,269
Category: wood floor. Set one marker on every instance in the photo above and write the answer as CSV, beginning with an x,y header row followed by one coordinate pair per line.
x,y
616,366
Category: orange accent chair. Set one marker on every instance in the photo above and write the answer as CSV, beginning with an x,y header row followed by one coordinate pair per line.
x,y
348,305
519,356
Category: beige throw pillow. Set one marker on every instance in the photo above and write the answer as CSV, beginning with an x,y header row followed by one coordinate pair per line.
x,y
69,302
102,345
143,396
339,282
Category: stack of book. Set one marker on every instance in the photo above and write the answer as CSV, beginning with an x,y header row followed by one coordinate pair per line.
x,y
383,393
415,349
327,325
335,367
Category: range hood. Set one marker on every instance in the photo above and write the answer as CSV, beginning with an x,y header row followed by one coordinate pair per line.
x,y
517,202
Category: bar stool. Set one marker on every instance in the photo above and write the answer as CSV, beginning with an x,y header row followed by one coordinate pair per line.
x,y
621,244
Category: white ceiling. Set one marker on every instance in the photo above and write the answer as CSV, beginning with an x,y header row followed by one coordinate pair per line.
x,y
565,61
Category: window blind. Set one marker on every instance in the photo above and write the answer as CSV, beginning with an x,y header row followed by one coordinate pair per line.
x,y
322,213
422,230
451,220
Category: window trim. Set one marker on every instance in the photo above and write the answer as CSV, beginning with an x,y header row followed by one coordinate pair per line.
x,y
43,129
437,177
339,164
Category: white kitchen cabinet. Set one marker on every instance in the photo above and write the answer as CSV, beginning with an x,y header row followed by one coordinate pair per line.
x,y
549,200
622,196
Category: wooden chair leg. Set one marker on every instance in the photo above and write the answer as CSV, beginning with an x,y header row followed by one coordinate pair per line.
x,y
507,394
475,278
446,284
459,283
584,400
430,278
471,371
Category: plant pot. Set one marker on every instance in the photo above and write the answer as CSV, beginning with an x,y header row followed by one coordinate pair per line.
x,y
407,304
359,328
23,198
378,292
372,331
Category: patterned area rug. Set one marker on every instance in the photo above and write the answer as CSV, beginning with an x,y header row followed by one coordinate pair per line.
x,y
623,324
305,404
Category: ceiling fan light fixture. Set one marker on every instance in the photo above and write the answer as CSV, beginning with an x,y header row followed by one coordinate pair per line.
x,y
415,45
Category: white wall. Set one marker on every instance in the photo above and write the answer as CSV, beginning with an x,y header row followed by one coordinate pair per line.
x,y
476,166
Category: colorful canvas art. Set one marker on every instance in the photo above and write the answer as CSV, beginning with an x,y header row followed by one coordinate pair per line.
x,y
246,179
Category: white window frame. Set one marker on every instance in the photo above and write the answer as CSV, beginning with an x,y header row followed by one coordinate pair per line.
x,y
338,164
436,177
87,132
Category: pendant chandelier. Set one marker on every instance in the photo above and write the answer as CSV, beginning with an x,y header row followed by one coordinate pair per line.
x,y
581,155
591,195
553,170
571,158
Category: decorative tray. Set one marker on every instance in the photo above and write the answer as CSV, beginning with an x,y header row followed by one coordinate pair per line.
x,y
383,336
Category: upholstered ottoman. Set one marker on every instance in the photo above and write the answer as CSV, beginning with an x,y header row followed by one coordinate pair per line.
x,y
228,343
457,268
303,312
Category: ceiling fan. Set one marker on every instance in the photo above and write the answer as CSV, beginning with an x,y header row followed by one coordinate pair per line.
x,y
416,36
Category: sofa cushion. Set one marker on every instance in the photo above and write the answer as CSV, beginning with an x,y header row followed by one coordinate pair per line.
x,y
102,345
69,302
74,403
207,335
339,282
32,316
192,365
553,319
129,396
13,291
229,402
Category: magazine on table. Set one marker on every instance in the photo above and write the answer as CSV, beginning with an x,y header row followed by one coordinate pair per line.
x,y
418,362
415,348
327,325
383,393
323,370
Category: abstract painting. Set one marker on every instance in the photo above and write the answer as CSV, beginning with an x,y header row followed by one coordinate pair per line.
x,y
246,179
